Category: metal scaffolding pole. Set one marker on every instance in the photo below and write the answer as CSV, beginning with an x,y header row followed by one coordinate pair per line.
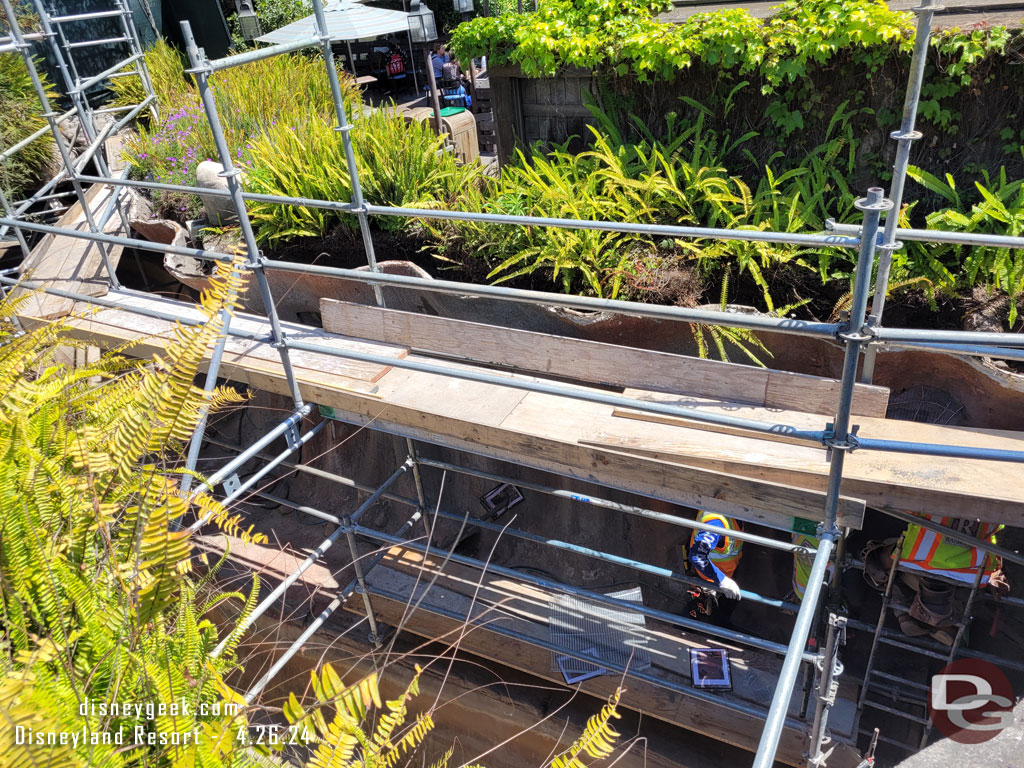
x,y
51,119
628,509
326,544
607,557
326,614
345,129
905,138
839,443
669,618
201,70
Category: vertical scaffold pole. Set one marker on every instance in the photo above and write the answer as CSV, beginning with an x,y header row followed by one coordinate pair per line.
x,y
51,119
69,74
135,46
201,69
344,127
905,137
839,441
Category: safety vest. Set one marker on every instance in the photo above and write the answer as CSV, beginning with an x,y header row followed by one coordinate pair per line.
x,y
726,556
930,552
803,562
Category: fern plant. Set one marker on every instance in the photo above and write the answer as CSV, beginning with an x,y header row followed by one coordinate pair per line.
x,y
97,600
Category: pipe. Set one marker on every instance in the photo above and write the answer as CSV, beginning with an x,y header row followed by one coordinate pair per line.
x,y
326,544
669,618
628,509
662,312
936,236
840,443
83,17
104,41
605,557
776,718
10,151
257,54
945,451
267,468
231,175
345,129
361,581
662,230
970,350
229,469
553,543
84,85
493,626
907,335
905,137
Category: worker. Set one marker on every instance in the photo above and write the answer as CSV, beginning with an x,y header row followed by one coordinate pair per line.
x,y
924,600
713,558
802,563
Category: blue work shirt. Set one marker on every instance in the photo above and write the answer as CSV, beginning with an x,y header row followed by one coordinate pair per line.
x,y
704,542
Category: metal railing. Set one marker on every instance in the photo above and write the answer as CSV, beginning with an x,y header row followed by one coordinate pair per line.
x,y
860,335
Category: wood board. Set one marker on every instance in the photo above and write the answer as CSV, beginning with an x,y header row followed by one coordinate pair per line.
x,y
71,263
749,478
498,602
596,362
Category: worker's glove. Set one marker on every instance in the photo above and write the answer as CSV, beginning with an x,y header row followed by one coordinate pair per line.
x,y
997,583
729,588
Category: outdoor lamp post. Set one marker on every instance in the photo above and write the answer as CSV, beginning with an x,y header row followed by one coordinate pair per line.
x,y
421,23
463,6
248,23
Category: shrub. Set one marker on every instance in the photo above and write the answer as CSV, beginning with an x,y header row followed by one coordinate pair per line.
x,y
20,117
400,164
166,68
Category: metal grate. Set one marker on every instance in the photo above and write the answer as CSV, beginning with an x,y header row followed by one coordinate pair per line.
x,y
928,405
589,628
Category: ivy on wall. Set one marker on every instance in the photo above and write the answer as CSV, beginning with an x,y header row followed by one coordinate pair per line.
x,y
622,38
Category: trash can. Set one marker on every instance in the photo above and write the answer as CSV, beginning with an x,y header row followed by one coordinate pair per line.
x,y
460,125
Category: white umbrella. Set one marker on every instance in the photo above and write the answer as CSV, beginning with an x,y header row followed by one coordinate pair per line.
x,y
346,20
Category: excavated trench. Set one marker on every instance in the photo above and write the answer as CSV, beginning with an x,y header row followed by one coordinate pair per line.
x,y
490,703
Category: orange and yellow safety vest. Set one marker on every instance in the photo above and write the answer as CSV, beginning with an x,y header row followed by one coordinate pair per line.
x,y
726,556
930,552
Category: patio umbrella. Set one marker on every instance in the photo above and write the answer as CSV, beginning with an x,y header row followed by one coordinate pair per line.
x,y
346,20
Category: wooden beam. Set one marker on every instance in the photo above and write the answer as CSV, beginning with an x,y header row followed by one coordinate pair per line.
x,y
750,478
596,362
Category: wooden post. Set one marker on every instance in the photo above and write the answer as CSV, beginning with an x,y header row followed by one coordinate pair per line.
x,y
433,94
472,84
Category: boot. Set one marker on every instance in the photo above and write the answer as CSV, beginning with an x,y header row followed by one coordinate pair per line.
x,y
933,603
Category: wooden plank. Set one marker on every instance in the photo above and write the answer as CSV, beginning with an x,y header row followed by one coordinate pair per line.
x,y
594,361
814,394
750,478
69,263
660,418
963,491
495,600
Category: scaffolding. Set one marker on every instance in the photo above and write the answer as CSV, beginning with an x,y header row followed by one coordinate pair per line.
x,y
861,335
